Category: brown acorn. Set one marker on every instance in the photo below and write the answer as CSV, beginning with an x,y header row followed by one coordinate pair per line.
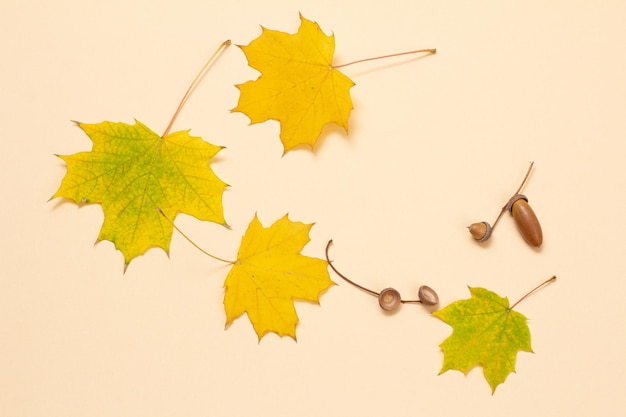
x,y
480,231
526,220
524,216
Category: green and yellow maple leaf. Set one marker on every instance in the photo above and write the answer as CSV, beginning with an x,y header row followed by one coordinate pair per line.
x,y
298,85
131,171
486,332
270,274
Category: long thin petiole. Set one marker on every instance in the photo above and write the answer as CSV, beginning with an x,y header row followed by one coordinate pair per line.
x,y
191,241
534,290
193,85
428,51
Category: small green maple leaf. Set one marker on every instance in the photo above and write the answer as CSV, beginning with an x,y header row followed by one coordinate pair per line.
x,y
486,332
131,171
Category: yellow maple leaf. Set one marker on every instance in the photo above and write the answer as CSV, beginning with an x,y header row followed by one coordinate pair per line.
x,y
298,85
270,273
131,171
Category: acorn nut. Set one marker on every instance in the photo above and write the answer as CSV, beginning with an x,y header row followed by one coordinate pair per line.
x,y
523,214
480,231
526,220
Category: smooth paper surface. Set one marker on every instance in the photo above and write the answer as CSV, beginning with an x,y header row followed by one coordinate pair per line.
x,y
435,143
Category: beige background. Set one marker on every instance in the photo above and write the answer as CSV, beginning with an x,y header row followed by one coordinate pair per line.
x,y
434,145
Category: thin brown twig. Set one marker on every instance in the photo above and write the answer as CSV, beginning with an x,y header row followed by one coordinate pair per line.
x,y
534,290
429,51
193,85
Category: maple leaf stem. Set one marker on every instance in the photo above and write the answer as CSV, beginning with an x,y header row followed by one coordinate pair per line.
x,y
506,206
191,241
428,51
194,83
534,290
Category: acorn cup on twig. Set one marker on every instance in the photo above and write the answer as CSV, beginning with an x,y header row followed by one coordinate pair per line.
x,y
523,214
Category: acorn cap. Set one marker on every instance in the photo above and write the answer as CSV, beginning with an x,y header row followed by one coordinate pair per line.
x,y
512,200
428,296
389,299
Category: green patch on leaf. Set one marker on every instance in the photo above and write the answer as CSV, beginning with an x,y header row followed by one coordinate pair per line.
x,y
131,171
486,332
